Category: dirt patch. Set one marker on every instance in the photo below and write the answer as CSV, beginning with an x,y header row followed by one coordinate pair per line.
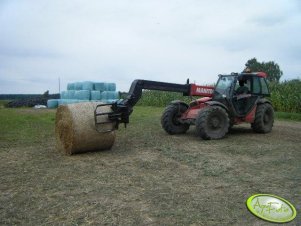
x,y
150,177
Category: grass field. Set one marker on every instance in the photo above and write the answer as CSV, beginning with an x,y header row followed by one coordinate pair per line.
x,y
148,178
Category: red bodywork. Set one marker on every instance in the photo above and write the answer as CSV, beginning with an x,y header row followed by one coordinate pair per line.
x,y
207,93
199,104
203,91
195,90
193,110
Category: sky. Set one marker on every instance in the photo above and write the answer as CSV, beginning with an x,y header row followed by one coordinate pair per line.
x,y
43,42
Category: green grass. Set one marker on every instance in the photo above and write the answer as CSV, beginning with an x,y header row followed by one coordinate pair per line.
x,y
288,116
148,178
25,126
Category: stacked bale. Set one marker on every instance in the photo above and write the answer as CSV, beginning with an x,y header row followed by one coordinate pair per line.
x,y
95,95
88,86
71,86
75,129
87,91
52,103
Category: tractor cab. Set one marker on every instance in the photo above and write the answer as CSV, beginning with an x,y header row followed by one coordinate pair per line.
x,y
240,92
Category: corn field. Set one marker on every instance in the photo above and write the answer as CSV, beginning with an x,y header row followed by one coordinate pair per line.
x,y
285,96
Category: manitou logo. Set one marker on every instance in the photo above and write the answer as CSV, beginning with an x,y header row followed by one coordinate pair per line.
x,y
204,90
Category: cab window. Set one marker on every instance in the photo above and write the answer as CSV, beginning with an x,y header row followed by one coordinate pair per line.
x,y
256,86
264,86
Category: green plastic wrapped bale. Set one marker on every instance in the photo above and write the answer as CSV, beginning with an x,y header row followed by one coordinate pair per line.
x,y
88,86
78,86
110,101
70,94
63,95
95,95
100,86
110,87
82,94
107,95
52,103
67,101
71,86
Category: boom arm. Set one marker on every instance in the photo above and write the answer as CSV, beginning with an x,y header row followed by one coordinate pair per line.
x,y
121,110
138,85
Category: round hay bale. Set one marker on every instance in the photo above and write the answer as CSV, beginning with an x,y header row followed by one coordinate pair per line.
x,y
63,95
75,129
110,87
70,94
95,95
106,95
78,85
100,86
88,85
70,86
52,103
110,101
67,101
82,94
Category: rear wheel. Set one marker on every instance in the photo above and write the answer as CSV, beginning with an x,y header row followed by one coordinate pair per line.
x,y
212,123
170,119
264,118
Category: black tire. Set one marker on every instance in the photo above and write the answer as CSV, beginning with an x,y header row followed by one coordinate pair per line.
x,y
212,123
264,118
169,119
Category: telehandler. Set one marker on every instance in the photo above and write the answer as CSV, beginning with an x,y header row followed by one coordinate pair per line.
x,y
214,114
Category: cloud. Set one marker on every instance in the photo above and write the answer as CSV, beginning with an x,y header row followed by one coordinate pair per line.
x,y
120,41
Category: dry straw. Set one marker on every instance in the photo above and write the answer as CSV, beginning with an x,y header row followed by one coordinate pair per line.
x,y
75,129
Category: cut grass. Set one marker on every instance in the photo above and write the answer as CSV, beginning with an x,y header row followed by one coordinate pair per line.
x,y
149,177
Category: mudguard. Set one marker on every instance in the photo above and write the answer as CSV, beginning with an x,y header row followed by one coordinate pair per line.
x,y
176,102
263,101
216,103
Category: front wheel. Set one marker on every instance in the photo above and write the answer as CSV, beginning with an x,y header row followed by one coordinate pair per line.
x,y
264,118
170,119
212,123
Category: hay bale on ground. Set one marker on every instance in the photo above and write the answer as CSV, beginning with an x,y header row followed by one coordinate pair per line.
x,y
75,130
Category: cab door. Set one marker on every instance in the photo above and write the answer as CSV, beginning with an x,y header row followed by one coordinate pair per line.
x,y
244,103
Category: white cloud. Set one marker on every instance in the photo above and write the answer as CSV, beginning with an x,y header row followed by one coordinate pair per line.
x,y
119,41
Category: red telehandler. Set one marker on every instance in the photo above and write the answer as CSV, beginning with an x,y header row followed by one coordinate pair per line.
x,y
219,109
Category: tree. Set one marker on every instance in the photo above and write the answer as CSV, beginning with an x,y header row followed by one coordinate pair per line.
x,y
271,68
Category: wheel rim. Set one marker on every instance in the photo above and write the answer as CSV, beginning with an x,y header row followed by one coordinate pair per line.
x,y
215,122
175,119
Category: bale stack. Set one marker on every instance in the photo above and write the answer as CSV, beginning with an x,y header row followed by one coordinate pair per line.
x,y
75,129
86,91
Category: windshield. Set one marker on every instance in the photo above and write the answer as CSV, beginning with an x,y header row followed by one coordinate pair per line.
x,y
224,85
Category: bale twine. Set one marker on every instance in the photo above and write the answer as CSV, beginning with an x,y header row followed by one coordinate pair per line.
x,y
75,129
